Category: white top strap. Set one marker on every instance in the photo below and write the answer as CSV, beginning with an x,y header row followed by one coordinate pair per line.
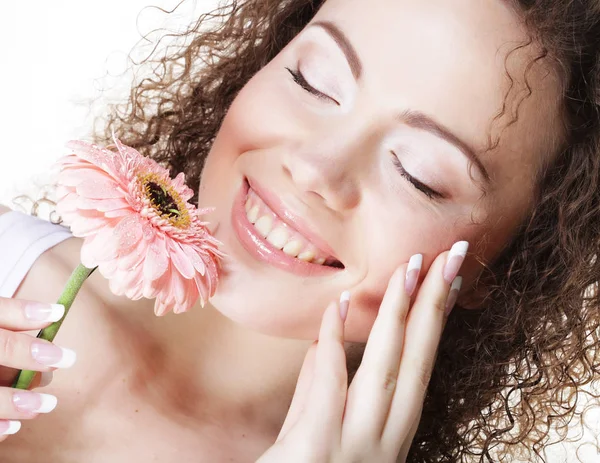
x,y
24,238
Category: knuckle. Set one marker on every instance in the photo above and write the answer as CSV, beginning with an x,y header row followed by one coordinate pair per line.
x,y
380,377
9,344
423,369
402,315
390,379
439,304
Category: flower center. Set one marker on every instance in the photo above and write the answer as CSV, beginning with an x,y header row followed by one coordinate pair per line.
x,y
165,200
162,200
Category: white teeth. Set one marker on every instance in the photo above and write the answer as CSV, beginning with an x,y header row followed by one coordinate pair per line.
x,y
292,248
252,214
306,256
264,225
278,237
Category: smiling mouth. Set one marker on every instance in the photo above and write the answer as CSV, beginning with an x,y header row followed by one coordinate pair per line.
x,y
282,235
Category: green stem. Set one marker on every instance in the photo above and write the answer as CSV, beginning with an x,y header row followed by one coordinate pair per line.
x,y
79,275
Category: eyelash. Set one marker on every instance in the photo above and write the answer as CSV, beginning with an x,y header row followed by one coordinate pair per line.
x,y
430,193
301,81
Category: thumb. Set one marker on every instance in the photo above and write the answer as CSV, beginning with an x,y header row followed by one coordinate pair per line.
x,y
301,391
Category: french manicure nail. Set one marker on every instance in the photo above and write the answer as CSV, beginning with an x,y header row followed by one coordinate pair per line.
x,y
453,295
455,260
9,427
412,273
44,312
344,303
46,378
51,355
34,402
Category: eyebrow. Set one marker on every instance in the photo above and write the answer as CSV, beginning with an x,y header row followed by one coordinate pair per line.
x,y
420,120
343,42
412,118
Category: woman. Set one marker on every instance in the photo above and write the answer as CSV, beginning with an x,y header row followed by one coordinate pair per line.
x,y
387,131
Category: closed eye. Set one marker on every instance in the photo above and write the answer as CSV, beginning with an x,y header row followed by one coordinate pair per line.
x,y
428,191
302,82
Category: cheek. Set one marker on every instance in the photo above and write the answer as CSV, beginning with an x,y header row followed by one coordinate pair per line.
x,y
391,236
262,114
247,126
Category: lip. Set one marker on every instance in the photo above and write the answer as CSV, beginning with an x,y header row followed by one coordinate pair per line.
x,y
260,248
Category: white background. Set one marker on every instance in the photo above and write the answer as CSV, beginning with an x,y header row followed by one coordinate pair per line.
x,y
54,56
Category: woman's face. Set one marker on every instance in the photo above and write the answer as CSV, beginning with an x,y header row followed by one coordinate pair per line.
x,y
359,135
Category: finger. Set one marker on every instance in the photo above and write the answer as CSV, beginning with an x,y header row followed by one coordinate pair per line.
x,y
422,337
403,454
8,428
16,404
301,391
373,387
8,376
322,415
19,350
41,379
20,315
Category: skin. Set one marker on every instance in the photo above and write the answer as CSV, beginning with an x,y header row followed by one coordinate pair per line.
x,y
224,387
332,164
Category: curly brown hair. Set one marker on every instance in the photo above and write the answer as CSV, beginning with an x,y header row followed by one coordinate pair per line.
x,y
509,370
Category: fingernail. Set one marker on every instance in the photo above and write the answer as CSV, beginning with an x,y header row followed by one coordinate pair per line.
x,y
9,427
44,312
412,273
453,295
46,378
51,355
34,402
455,260
344,304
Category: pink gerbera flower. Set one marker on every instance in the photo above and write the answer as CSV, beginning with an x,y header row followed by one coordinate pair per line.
x,y
138,227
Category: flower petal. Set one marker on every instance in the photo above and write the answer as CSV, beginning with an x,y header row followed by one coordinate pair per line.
x,y
89,225
180,260
128,233
177,287
100,189
194,257
157,261
134,257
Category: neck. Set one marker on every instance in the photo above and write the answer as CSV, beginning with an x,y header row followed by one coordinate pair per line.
x,y
233,373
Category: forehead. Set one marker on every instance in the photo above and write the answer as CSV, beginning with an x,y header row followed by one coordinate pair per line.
x,y
449,59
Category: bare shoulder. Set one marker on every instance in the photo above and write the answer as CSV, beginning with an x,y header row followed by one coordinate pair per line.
x,y
49,270
48,274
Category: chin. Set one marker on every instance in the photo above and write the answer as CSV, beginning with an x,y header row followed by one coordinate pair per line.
x,y
269,314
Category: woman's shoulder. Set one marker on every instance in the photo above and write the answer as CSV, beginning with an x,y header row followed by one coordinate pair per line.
x,y
36,254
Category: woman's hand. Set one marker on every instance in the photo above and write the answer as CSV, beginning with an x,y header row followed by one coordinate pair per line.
x,y
20,351
376,418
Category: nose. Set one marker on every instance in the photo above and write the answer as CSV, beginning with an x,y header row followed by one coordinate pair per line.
x,y
327,171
